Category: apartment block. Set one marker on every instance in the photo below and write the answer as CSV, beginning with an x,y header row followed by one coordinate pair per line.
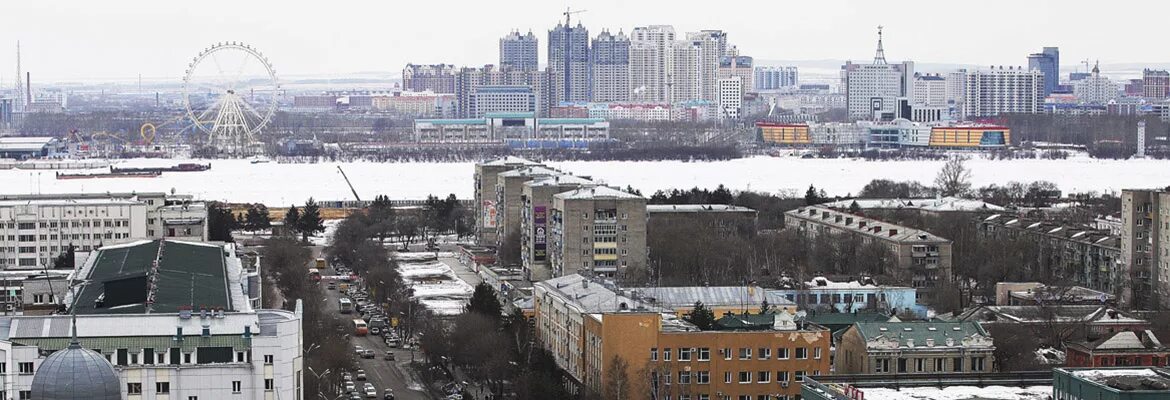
x,y
597,231
1145,247
1088,256
922,258
509,189
588,326
537,199
485,194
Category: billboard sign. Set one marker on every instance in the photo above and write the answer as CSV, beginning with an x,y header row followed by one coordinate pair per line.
x,y
489,214
540,234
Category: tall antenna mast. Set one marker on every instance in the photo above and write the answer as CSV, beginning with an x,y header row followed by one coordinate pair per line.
x,y
880,57
18,91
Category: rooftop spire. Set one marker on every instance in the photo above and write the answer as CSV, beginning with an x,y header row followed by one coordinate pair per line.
x,y
880,56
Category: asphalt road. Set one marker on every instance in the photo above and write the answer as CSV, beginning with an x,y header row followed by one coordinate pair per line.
x,y
381,373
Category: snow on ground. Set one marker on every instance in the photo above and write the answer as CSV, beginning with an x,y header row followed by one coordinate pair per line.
x,y
961,393
278,184
434,283
324,238
1097,374
425,270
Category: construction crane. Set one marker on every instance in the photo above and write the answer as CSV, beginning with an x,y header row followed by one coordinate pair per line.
x,y
569,13
347,182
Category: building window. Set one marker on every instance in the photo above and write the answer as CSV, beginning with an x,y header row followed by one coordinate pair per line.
x,y
653,354
684,377
745,377
977,364
26,368
781,353
134,388
763,376
704,354
817,353
957,364
162,387
269,384
25,395
881,365
186,358
666,354
703,377
726,353
268,359
938,365
781,376
801,353
799,376
919,365
237,387
684,354
745,353
727,377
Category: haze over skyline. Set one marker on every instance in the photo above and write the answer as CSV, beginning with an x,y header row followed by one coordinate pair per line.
x,y
94,41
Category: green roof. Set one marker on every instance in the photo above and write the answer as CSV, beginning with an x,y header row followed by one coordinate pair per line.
x,y
839,321
920,330
745,322
188,274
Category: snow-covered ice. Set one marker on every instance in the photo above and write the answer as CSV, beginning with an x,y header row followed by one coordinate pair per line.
x,y
279,185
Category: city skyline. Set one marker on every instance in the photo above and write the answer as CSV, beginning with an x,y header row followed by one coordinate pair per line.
x,y
379,38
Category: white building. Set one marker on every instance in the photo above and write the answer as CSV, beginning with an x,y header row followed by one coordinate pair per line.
x,y
611,67
711,46
1095,89
161,349
930,90
740,66
34,229
650,62
872,90
730,97
1001,91
490,99
771,78
684,80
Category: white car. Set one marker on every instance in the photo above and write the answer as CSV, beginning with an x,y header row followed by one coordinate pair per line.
x,y
371,392
350,386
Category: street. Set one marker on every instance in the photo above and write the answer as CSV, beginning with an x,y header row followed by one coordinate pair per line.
x,y
381,373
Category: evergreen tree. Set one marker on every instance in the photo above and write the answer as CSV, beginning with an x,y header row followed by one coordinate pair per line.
x,y
292,219
220,222
854,208
483,301
811,197
65,260
382,217
258,217
310,221
701,316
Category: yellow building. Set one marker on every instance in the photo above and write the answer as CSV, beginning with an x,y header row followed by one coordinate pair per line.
x,y
591,330
784,134
970,136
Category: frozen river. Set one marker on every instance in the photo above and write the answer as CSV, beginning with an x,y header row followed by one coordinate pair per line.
x,y
282,184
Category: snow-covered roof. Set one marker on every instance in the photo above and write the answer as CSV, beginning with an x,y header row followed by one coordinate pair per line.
x,y
529,171
961,393
510,160
590,297
25,143
557,180
597,192
69,202
941,204
713,296
865,226
668,208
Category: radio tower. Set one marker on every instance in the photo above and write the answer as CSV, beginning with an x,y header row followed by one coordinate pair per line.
x,y
880,57
18,91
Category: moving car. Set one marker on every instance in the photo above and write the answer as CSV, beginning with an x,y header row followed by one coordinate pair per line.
x,y
389,356
371,392
388,394
361,374
369,354
350,386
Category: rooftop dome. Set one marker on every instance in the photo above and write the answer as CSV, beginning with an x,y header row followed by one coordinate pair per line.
x,y
76,373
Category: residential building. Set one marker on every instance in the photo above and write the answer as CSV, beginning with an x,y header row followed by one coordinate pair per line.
x,y
509,201
725,220
519,51
1121,349
417,104
650,63
597,231
684,80
1145,247
873,90
1073,321
1114,383
707,46
485,195
1155,84
587,325
772,78
568,64
537,199
730,97
915,348
1096,89
996,91
928,206
515,130
920,257
1036,293
611,67
822,295
738,66
469,79
956,91
1048,63
36,228
161,346
437,78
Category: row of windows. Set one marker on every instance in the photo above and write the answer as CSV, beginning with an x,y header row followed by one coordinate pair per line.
x,y
135,388
744,353
108,223
74,236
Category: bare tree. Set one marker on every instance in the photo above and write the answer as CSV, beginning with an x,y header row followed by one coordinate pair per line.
x,y
954,179
617,373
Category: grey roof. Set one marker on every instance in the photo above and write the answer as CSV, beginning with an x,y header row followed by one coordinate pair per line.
x,y
76,373
25,143
717,296
872,227
510,160
529,171
920,331
935,204
596,192
680,208
590,297
169,273
557,180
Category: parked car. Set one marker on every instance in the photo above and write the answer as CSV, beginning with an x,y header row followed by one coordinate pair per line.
x,y
350,386
359,350
369,354
332,286
375,331
346,376
361,374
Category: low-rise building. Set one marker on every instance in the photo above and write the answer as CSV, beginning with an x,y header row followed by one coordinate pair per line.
x,y
915,348
723,219
1125,348
1072,321
1036,293
920,257
517,130
590,329
24,147
1117,383
821,295
927,206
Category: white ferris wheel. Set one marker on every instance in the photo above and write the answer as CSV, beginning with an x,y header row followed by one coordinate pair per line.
x,y
230,92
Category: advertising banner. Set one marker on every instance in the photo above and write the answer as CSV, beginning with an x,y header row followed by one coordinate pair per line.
x,y
539,217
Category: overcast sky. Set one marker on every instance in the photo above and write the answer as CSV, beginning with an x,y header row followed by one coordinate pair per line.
x,y
109,39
